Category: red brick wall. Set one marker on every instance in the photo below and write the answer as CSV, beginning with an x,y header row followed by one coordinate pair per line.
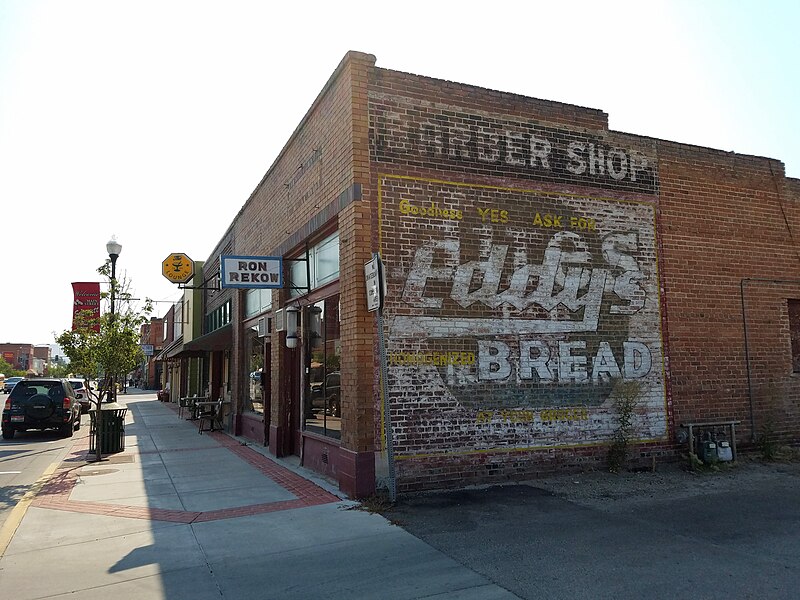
x,y
522,256
12,354
729,229
489,377
306,194
534,259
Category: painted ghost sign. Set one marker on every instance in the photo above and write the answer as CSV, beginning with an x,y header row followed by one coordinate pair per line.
x,y
511,314
479,142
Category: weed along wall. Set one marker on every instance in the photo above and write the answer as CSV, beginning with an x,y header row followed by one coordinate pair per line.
x,y
523,274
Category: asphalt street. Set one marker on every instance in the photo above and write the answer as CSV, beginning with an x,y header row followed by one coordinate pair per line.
x,y
178,515
740,542
24,459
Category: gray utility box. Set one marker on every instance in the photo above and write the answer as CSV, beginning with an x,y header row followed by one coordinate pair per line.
x,y
708,452
724,451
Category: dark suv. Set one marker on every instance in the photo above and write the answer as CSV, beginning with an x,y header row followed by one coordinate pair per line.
x,y
41,404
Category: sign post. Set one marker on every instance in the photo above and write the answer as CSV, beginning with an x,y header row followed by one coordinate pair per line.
x,y
376,293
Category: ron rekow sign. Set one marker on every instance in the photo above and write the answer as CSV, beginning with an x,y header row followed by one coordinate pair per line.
x,y
86,301
251,271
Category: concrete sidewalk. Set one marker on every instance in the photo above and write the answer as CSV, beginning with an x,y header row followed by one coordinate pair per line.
x,y
181,515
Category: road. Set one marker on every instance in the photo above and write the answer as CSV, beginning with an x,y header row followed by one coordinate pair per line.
x,y
236,524
24,459
733,536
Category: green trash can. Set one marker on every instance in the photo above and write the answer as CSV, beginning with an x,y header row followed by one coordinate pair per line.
x,y
112,429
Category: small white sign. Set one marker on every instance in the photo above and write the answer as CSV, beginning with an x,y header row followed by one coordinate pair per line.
x,y
147,349
373,278
251,271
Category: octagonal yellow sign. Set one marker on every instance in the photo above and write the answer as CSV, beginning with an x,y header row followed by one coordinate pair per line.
x,y
178,268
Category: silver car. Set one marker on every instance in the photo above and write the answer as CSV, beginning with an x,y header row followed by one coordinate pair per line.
x,y
10,383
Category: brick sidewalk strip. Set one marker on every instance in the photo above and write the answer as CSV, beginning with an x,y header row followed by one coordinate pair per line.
x,y
55,494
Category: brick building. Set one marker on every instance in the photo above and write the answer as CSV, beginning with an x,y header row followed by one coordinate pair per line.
x,y
23,357
151,335
534,260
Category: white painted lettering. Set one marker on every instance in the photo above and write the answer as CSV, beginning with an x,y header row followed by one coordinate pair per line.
x,y
638,360
576,166
515,148
540,148
571,367
604,365
533,356
596,161
488,145
493,363
617,157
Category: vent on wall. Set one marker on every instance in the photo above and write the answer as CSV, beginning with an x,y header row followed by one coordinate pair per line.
x,y
263,326
280,320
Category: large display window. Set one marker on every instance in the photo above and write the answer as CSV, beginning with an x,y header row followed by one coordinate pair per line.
x,y
323,392
256,376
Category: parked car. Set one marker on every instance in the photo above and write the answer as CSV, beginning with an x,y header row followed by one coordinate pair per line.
x,y
81,393
325,395
45,403
10,383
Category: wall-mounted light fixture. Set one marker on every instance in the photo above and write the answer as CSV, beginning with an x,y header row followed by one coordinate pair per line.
x,y
314,325
292,313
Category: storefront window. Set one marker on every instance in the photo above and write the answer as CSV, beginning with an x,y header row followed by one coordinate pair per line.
x,y
257,301
255,383
323,399
322,267
326,261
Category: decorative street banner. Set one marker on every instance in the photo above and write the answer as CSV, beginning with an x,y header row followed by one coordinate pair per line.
x,y
87,301
514,315
251,271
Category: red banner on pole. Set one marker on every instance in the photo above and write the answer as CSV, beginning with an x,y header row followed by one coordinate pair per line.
x,y
87,298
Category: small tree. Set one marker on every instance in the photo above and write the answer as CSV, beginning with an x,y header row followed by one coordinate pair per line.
x,y
61,369
626,397
113,351
9,371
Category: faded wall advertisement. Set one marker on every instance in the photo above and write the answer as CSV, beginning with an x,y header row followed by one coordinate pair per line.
x,y
512,314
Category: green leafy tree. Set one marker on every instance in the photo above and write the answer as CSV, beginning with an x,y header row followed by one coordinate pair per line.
x,y
9,371
60,369
113,351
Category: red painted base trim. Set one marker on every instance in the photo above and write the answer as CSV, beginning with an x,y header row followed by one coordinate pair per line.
x,y
356,473
251,427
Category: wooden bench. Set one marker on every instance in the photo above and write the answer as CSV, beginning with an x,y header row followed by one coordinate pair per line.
x,y
700,425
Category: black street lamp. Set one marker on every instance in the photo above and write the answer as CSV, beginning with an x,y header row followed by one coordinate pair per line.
x,y
114,248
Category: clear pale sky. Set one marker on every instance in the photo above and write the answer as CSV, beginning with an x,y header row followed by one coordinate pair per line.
x,y
129,118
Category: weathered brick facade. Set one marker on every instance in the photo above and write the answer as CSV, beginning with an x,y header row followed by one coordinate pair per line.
x,y
534,259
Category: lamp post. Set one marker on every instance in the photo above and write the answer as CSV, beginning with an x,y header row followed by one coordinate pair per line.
x,y
114,248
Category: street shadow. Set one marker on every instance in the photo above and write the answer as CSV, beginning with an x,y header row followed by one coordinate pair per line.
x,y
10,495
173,550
